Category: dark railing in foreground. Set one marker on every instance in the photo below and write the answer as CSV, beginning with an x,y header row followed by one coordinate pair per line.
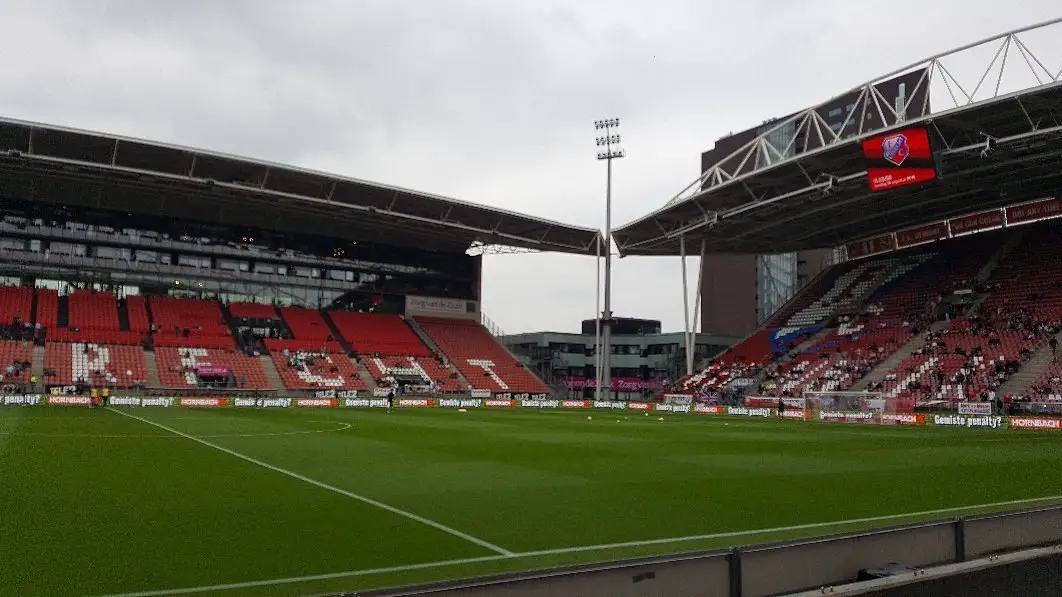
x,y
773,569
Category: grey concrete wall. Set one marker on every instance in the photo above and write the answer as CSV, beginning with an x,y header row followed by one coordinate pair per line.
x,y
780,569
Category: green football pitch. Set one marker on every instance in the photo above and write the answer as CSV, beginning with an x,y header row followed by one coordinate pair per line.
x,y
298,502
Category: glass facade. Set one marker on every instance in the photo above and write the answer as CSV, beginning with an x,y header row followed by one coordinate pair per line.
x,y
776,275
65,248
776,283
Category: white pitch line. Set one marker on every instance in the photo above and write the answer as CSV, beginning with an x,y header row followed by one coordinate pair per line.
x,y
796,527
565,550
332,488
315,577
343,427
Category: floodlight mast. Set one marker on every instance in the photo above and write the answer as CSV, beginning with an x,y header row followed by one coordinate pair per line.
x,y
608,150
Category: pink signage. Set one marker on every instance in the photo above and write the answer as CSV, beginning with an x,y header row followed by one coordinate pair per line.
x,y
213,370
619,384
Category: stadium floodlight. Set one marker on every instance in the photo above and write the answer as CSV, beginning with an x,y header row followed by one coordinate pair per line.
x,y
609,142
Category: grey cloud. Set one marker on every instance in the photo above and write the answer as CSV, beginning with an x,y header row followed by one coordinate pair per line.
x,y
487,101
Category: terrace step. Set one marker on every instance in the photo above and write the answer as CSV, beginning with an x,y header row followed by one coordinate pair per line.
x,y
365,376
123,316
152,368
1030,371
37,365
33,307
811,342
271,373
1004,250
892,361
64,311
347,348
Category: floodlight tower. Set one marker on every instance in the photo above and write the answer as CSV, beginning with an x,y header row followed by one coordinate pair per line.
x,y
608,150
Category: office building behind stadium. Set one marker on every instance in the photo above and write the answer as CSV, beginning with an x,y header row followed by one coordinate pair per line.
x,y
126,263
644,359
741,291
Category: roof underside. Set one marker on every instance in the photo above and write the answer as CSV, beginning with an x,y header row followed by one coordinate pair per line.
x,y
57,165
991,154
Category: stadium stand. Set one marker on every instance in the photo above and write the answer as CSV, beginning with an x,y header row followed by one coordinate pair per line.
x,y
479,357
178,367
311,371
95,336
69,363
902,307
419,371
189,322
840,289
378,334
16,304
310,330
92,311
136,307
975,353
48,308
253,311
13,358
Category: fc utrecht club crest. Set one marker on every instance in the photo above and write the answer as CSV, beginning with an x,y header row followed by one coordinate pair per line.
x,y
895,149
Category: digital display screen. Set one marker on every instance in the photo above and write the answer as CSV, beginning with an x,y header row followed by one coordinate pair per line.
x,y
899,159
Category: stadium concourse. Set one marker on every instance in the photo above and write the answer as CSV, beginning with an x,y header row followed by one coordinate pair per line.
x,y
974,318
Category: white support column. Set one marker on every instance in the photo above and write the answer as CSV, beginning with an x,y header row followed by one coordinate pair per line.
x,y
696,307
685,305
597,326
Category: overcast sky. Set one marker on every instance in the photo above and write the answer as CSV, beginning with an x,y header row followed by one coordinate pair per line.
x,y
486,101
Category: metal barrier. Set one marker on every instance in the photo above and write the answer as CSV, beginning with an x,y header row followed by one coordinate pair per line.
x,y
776,569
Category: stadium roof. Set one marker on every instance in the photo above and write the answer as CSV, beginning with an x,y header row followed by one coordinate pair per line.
x,y
61,165
809,188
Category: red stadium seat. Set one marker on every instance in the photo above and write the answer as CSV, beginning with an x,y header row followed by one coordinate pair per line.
x,y
48,308
92,311
16,302
253,311
178,365
378,334
95,364
306,324
189,322
484,362
12,352
304,370
424,369
136,307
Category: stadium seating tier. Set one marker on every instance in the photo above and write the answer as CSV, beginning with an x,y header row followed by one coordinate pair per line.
x,y
484,362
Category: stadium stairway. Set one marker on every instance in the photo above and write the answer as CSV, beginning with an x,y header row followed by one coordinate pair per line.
x,y
892,361
426,339
365,376
1030,371
814,340
1005,249
64,311
152,368
271,373
37,365
123,316
347,348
